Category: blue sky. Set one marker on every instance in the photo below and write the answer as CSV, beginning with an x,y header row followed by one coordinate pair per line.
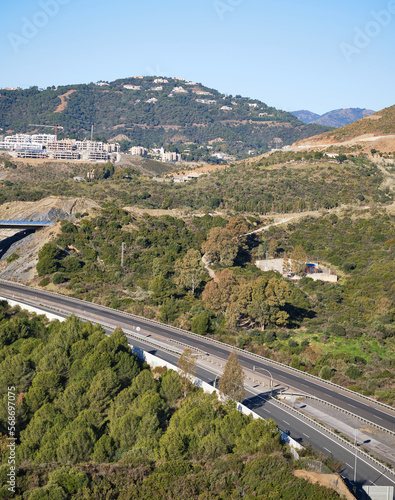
x,y
291,54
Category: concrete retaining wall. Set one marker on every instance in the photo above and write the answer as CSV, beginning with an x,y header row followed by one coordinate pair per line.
x,y
154,361
50,316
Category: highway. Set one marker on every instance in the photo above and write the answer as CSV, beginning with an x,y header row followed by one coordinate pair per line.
x,y
365,408
301,429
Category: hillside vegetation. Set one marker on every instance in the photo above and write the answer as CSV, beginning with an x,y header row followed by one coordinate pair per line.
x,y
283,182
174,118
340,331
93,422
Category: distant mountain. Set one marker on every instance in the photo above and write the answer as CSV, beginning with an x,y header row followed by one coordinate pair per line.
x,y
375,131
305,116
337,118
154,111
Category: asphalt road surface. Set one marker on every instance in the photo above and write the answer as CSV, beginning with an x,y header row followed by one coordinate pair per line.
x,y
304,432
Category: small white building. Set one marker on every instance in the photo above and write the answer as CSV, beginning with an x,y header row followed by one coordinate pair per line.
x,y
206,101
153,100
161,80
180,90
226,108
132,87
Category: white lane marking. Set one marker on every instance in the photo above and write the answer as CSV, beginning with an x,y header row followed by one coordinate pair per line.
x,y
327,450
264,409
305,435
335,442
379,417
285,422
374,484
349,404
351,467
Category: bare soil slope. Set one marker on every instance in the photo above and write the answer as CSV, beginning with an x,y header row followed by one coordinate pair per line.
x,y
23,269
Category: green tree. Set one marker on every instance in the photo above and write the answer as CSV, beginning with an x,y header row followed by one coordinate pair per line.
x,y
298,258
161,288
219,294
201,323
231,383
48,259
189,270
220,246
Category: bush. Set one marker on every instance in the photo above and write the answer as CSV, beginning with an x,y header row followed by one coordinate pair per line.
x,y
282,335
326,372
201,323
12,257
58,278
44,282
338,330
270,336
353,372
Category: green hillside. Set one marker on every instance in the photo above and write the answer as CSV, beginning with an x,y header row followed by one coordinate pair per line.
x,y
175,118
94,422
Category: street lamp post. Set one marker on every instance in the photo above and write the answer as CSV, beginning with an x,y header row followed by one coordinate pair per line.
x,y
355,461
271,377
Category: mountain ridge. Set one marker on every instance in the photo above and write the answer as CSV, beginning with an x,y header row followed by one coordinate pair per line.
x,y
154,111
336,118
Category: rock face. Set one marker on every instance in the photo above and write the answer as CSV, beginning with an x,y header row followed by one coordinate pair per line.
x,y
49,209
27,245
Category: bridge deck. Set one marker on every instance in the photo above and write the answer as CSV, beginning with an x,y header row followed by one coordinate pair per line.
x,y
23,224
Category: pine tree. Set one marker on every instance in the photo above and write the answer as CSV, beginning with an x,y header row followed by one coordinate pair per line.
x,y
231,384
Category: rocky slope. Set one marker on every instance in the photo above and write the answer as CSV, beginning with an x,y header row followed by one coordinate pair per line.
x,y
26,247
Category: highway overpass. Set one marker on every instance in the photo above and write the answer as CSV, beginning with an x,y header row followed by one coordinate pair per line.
x,y
368,472
23,224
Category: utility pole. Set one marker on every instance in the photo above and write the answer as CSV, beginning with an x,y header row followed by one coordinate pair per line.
x,y
122,252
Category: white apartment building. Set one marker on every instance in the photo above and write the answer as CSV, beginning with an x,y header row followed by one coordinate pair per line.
x,y
161,80
157,88
132,87
138,151
180,90
202,92
206,101
170,157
